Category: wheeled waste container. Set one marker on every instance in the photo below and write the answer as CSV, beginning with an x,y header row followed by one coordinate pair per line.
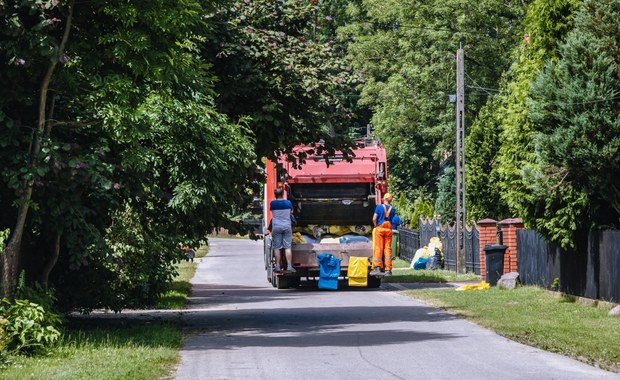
x,y
395,235
494,260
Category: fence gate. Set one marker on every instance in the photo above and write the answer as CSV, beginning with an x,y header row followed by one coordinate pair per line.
x,y
429,228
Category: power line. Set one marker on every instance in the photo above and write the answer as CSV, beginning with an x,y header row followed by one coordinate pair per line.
x,y
614,97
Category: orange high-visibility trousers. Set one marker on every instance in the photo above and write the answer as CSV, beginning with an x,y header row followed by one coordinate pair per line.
x,y
382,246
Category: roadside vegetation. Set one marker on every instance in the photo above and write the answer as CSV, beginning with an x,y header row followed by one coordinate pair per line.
x,y
128,127
103,350
402,273
426,275
538,318
97,348
179,289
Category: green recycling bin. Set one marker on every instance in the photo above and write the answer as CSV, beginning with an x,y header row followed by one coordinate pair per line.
x,y
494,255
395,234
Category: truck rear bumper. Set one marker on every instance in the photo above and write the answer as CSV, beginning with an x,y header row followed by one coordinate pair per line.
x,y
304,255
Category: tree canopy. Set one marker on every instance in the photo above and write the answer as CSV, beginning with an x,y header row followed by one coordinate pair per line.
x,y
405,52
120,140
574,106
128,127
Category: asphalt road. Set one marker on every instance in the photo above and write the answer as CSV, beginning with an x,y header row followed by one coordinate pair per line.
x,y
240,327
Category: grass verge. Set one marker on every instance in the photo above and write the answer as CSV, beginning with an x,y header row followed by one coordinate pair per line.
x,y
113,349
134,350
535,317
176,296
425,275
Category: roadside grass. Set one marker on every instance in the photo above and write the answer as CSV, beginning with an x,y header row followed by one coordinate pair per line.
x,y
400,263
426,275
538,318
112,349
176,296
129,350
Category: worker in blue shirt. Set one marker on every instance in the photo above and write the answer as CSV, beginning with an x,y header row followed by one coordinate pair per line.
x,y
382,237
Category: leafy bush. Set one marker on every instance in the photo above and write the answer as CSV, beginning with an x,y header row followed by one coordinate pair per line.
x,y
421,208
445,204
26,326
4,236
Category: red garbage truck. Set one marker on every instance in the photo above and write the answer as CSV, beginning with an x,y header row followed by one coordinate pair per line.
x,y
333,203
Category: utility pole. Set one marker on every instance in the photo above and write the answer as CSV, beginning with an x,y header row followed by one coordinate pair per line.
x,y
460,161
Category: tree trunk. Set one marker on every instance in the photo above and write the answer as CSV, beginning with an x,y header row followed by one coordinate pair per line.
x,y
51,263
12,251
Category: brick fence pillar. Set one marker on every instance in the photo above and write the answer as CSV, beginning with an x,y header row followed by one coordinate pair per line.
x,y
509,228
487,229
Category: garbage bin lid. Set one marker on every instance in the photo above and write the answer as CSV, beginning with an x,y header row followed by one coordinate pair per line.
x,y
494,247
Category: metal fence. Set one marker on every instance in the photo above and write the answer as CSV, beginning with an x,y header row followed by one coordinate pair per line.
x,y
592,273
409,242
412,240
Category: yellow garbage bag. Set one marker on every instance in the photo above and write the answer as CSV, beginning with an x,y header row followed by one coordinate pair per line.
x,y
435,242
357,272
419,254
298,239
339,230
481,286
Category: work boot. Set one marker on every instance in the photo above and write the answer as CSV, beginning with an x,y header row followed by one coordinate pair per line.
x,y
388,272
276,268
375,272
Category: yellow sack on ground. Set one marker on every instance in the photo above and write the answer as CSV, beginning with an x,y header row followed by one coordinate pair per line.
x,y
481,286
358,271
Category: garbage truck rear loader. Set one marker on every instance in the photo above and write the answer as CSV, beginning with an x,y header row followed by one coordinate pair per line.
x,y
333,202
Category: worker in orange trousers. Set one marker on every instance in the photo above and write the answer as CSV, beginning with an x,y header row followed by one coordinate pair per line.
x,y
382,237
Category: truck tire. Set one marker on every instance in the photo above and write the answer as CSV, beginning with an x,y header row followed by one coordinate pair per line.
x,y
267,252
269,271
295,282
283,282
373,282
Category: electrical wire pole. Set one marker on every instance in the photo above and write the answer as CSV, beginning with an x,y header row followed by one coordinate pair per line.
x,y
460,161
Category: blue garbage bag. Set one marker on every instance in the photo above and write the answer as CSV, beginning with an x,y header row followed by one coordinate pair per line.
x,y
329,271
353,239
420,263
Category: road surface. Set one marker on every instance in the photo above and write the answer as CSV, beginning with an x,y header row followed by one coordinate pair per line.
x,y
240,327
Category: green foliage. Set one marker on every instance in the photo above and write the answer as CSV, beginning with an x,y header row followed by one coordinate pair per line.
x,y
405,54
45,298
422,208
404,208
483,186
4,236
105,349
547,23
411,208
132,137
574,110
445,204
27,326
272,69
